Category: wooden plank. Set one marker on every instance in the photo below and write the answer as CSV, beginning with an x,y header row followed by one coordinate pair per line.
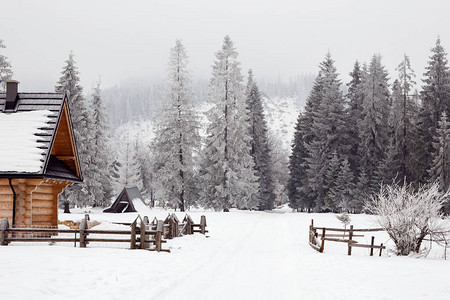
x,y
48,230
40,239
106,240
39,219
323,241
367,246
42,204
41,211
37,196
133,235
5,190
346,230
315,247
340,235
350,236
371,244
339,240
39,189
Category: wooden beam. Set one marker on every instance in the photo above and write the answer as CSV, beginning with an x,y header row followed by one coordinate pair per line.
x,y
65,157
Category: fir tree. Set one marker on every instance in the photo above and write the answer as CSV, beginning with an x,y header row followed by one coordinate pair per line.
x,y
130,169
344,190
259,145
5,69
100,185
404,113
435,96
332,198
69,83
177,138
440,168
373,128
297,182
329,133
354,115
227,165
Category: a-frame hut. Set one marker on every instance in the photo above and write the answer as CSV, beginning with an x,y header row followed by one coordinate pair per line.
x,y
38,156
129,200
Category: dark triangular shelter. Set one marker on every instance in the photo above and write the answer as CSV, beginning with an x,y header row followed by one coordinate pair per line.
x,y
124,203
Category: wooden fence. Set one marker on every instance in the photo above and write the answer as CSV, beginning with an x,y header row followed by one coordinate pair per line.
x,y
142,234
318,236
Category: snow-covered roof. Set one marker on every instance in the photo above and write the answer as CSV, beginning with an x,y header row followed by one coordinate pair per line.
x,y
21,150
27,134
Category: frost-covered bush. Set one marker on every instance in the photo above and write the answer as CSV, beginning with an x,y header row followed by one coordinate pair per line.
x,y
409,215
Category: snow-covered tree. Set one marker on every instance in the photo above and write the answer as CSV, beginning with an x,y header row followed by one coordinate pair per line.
x,y
259,145
440,168
354,114
408,215
227,166
329,131
404,113
297,186
69,83
344,189
279,164
100,185
373,128
130,169
5,68
177,136
435,96
332,198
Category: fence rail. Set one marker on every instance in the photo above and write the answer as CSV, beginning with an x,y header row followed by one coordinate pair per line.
x,y
320,233
142,234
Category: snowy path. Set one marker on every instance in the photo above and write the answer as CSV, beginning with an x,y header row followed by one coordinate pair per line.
x,y
249,255
257,264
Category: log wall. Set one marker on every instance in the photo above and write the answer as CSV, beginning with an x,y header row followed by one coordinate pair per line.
x,y
36,201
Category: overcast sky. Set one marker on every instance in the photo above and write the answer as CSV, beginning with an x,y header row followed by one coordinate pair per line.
x,y
120,40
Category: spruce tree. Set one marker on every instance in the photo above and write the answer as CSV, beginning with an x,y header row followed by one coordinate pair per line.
x,y
373,128
69,83
259,145
328,131
440,168
404,115
297,182
130,169
435,96
100,185
227,165
177,136
332,198
5,69
354,114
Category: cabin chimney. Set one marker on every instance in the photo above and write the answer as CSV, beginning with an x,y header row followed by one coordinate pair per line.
x,y
11,94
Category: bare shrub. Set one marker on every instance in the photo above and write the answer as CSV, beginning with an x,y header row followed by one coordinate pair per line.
x,y
409,215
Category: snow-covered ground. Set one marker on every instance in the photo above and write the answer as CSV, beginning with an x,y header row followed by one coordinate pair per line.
x,y
248,255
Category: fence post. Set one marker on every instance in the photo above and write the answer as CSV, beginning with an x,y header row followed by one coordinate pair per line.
x,y
83,234
202,224
323,241
371,244
133,235
159,232
310,231
350,237
381,248
4,232
143,236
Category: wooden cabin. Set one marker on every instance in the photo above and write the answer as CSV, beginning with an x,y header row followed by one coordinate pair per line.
x,y
38,155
